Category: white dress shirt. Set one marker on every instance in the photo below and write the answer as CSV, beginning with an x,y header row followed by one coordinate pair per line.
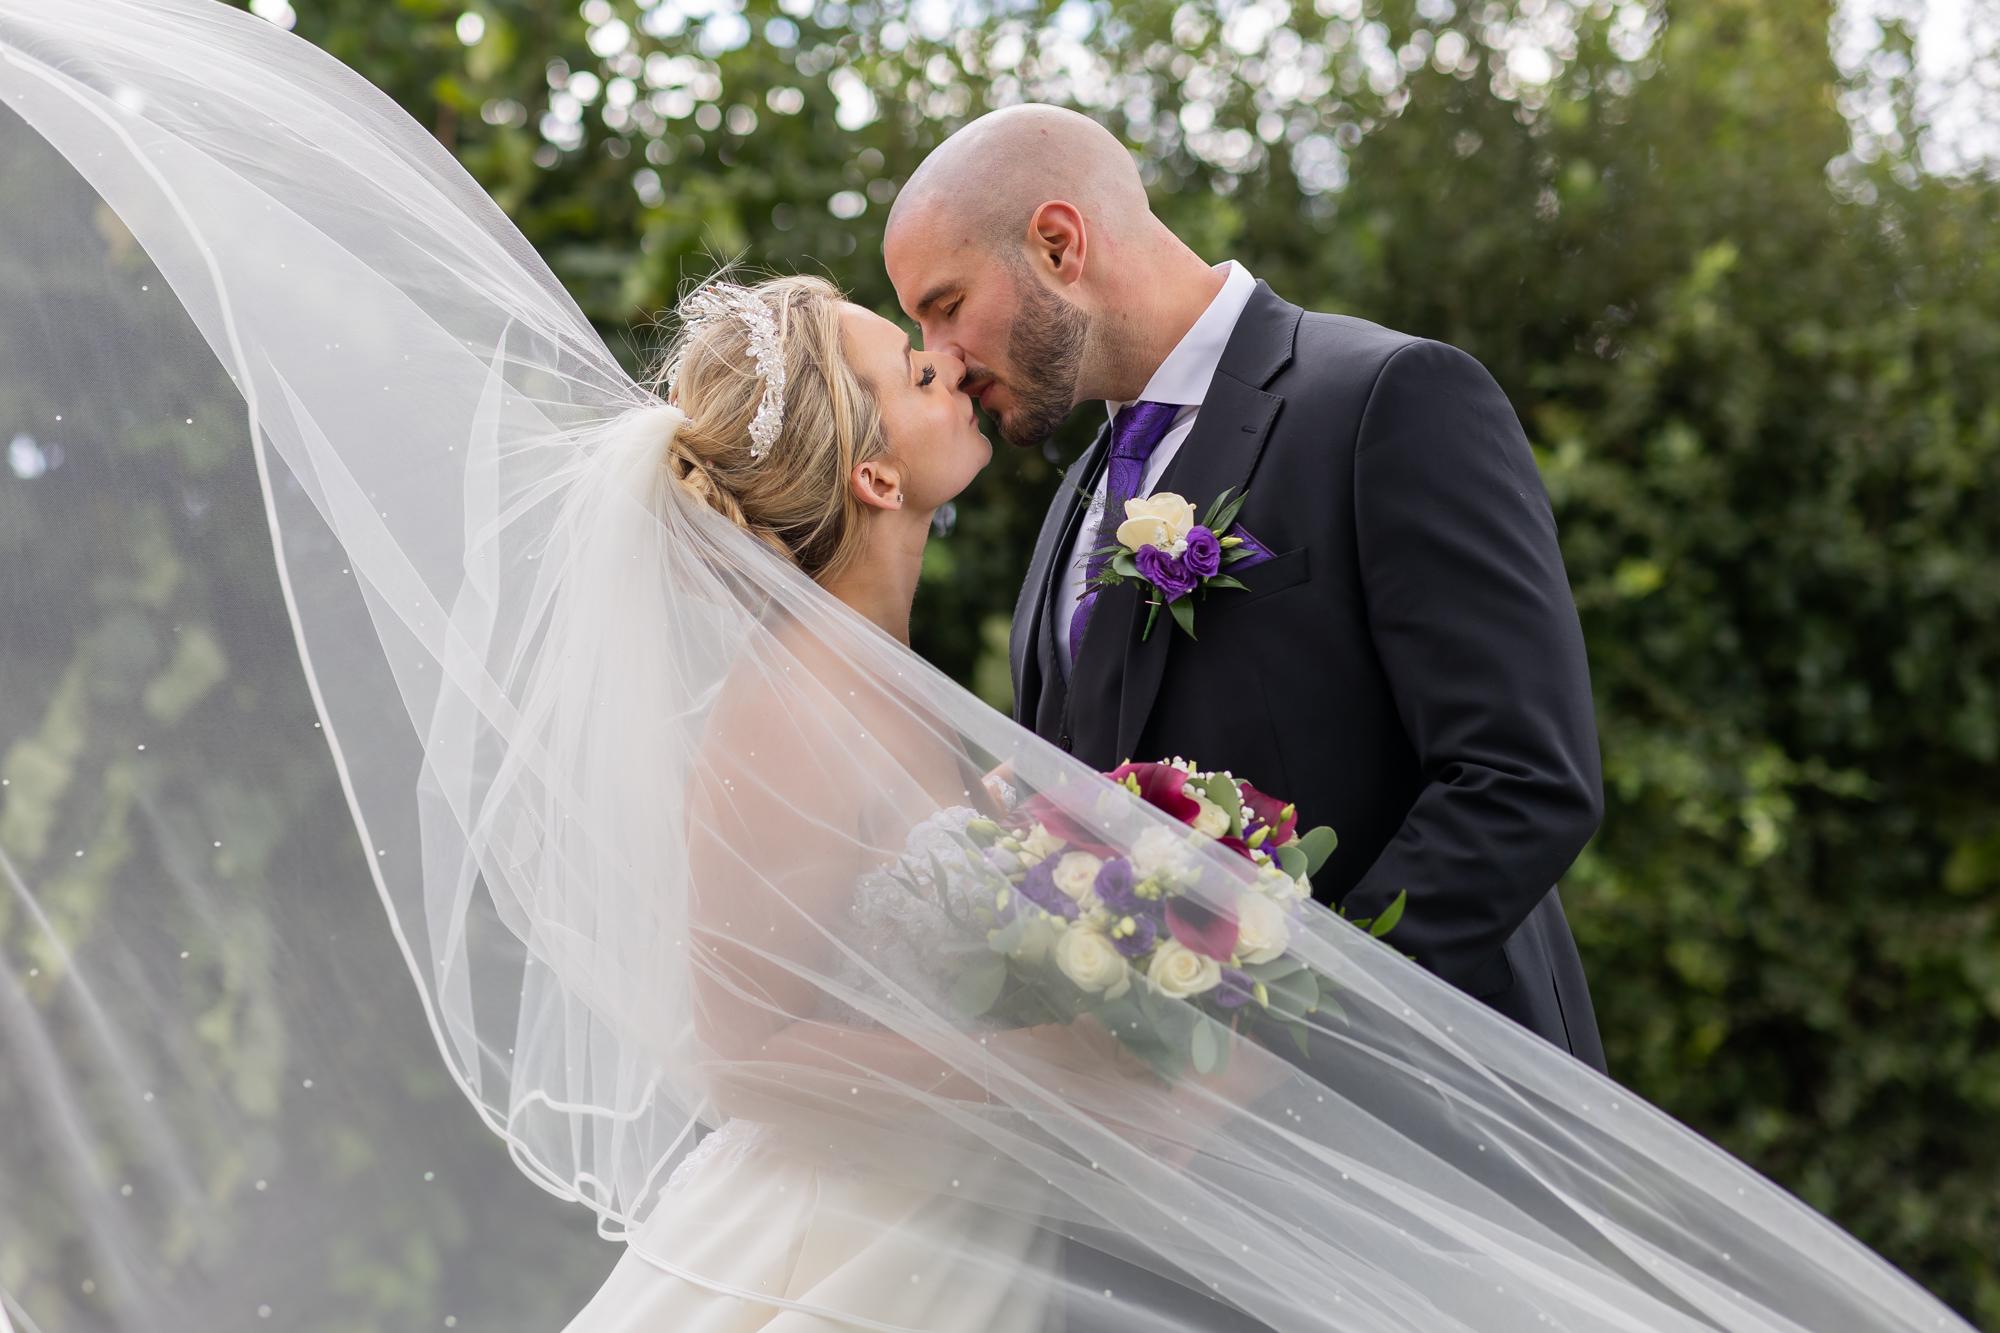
x,y
1182,378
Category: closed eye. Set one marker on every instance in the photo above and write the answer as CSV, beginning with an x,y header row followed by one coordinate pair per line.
x,y
930,373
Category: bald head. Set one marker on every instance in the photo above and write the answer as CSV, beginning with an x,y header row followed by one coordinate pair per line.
x,y
987,180
1025,246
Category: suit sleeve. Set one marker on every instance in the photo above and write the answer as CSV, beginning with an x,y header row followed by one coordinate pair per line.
x,y
1473,619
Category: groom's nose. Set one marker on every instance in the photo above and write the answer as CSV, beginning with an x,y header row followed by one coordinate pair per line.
x,y
950,367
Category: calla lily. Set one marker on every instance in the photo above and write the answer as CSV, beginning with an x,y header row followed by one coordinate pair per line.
x,y
1273,814
1201,929
1162,786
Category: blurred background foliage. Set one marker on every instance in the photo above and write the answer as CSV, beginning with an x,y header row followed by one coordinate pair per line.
x,y
1743,293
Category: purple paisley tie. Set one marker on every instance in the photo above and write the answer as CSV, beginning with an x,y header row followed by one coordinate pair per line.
x,y
1135,432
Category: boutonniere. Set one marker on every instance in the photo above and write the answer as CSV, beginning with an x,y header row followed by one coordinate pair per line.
x,y
1171,557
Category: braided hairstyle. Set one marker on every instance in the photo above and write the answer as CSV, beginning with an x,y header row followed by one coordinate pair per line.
x,y
795,496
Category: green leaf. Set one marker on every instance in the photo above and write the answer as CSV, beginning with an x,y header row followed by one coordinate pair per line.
x,y
1215,509
1282,966
1224,581
1224,793
1125,565
1317,844
1292,859
1204,1049
1393,913
1228,516
978,986
1294,993
1183,609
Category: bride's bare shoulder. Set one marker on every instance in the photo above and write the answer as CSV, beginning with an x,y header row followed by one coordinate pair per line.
x,y
785,693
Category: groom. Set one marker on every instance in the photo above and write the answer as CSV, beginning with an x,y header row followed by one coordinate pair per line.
x,y
1407,666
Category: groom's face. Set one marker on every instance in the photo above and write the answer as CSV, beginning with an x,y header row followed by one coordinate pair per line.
x,y
1021,340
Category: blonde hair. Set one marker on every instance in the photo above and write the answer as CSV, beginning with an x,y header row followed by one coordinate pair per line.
x,y
795,496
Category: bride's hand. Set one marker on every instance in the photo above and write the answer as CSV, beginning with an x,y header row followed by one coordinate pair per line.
x,y
999,784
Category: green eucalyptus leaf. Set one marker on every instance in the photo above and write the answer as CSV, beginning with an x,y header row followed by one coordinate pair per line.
x,y
1317,844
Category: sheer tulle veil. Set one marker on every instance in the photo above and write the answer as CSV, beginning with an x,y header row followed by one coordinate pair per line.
x,y
328,512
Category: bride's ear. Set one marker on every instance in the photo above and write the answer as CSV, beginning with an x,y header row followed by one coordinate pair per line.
x,y
878,484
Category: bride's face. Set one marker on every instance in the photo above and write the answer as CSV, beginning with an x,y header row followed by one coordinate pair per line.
x,y
930,425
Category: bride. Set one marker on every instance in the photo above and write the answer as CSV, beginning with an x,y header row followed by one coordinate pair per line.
x,y
704,880
862,443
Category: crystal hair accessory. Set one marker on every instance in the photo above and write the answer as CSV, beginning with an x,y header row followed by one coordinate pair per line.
x,y
724,300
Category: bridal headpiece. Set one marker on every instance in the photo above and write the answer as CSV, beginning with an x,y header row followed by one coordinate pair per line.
x,y
726,300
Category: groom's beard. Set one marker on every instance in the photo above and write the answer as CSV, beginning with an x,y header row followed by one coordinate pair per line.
x,y
1046,348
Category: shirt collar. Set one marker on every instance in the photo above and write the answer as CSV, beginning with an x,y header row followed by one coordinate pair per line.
x,y
1183,377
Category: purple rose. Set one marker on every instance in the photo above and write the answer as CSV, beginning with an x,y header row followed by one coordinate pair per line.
x,y
1165,572
1203,556
1040,889
1114,886
1142,939
1236,989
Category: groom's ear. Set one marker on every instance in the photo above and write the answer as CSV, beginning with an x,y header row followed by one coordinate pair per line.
x,y
1057,237
877,484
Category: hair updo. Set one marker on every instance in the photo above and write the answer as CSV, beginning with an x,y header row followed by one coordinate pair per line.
x,y
795,496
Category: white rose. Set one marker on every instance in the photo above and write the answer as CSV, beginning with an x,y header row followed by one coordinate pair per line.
x,y
1076,875
1174,514
1179,971
1159,851
1278,885
1262,930
1137,533
1210,819
1038,933
1088,958
1039,846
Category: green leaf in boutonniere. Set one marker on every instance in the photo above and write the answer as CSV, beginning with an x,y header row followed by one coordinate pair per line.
x,y
1183,609
1124,565
1227,516
1225,581
1215,508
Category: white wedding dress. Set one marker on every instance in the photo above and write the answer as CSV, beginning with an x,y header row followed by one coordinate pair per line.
x,y
756,1233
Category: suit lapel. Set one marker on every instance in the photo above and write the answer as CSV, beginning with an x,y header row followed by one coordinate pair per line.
x,y
1219,454
1033,647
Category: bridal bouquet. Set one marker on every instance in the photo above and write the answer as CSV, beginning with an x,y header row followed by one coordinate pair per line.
x,y
1079,929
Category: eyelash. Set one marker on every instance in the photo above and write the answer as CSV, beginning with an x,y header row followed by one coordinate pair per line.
x,y
930,373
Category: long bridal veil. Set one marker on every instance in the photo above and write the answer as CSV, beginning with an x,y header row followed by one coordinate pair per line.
x,y
390,749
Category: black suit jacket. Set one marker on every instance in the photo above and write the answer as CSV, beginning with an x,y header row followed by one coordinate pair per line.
x,y
1408,666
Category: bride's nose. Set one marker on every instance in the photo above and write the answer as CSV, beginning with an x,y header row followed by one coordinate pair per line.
x,y
950,369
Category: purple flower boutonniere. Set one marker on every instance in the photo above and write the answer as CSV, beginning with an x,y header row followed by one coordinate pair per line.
x,y
1162,549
